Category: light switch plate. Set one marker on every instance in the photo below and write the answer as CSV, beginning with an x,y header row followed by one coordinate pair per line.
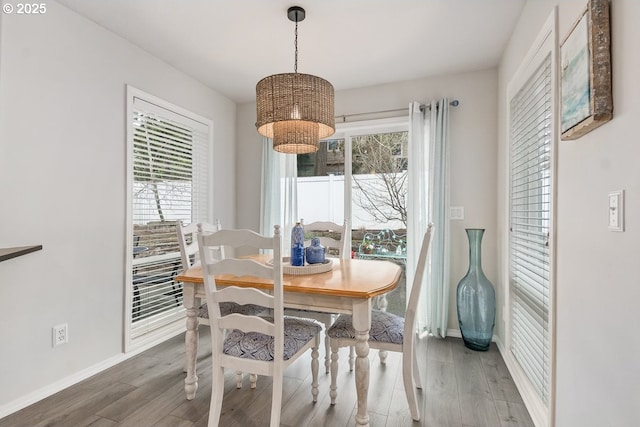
x,y
456,212
616,210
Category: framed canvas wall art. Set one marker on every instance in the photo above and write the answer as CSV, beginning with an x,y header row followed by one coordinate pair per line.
x,y
586,101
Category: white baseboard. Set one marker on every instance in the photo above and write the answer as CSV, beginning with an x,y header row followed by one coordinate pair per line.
x,y
60,385
51,389
454,333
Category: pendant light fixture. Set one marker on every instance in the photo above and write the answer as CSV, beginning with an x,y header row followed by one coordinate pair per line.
x,y
295,110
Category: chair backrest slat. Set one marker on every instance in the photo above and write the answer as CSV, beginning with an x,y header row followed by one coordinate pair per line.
x,y
240,267
244,296
238,238
246,324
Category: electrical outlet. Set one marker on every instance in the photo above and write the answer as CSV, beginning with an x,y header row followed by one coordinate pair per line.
x,y
60,334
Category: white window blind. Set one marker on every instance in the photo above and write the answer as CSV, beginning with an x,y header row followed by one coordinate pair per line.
x,y
169,183
530,205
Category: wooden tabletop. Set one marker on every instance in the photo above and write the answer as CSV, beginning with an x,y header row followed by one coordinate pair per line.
x,y
348,277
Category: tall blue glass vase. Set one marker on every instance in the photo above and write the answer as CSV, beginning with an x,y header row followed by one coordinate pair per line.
x,y
476,298
297,245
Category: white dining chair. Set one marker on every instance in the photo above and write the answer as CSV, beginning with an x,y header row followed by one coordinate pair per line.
x,y
189,255
324,230
388,332
250,343
188,242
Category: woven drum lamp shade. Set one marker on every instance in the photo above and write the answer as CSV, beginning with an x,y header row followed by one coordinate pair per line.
x,y
295,110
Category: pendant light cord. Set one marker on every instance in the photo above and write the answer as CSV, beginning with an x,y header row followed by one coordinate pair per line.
x,y
295,44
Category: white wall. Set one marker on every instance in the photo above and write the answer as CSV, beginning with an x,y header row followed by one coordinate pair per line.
x,y
62,169
473,159
597,287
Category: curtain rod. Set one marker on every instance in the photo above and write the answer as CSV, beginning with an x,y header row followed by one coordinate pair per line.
x,y
387,113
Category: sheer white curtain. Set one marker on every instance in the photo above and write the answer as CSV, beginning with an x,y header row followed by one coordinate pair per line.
x,y
417,200
438,283
279,192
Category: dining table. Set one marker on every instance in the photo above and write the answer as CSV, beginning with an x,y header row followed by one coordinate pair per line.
x,y
350,287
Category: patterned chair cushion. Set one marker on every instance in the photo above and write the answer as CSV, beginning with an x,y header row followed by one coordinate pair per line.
x,y
385,327
231,307
254,345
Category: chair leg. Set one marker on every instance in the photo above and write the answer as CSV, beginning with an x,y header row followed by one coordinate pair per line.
x,y
327,350
238,379
416,369
409,386
176,294
333,389
382,354
217,392
314,370
253,379
276,400
352,357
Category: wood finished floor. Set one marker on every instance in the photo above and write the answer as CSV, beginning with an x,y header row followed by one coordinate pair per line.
x,y
461,388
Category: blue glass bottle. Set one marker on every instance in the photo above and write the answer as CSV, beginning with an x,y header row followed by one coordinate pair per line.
x,y
297,255
297,245
476,298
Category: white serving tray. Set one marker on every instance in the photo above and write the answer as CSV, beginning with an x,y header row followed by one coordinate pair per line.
x,y
292,270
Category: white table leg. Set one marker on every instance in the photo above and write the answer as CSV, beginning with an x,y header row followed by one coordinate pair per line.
x,y
362,323
190,340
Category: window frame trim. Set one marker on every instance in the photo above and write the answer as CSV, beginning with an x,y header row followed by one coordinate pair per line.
x,y
546,41
347,131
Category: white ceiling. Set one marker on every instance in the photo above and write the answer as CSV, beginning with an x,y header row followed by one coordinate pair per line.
x,y
231,44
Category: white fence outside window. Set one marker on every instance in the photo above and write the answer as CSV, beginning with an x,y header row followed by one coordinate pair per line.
x,y
321,198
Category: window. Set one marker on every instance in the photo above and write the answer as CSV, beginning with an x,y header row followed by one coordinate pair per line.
x,y
379,173
169,166
530,211
531,142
